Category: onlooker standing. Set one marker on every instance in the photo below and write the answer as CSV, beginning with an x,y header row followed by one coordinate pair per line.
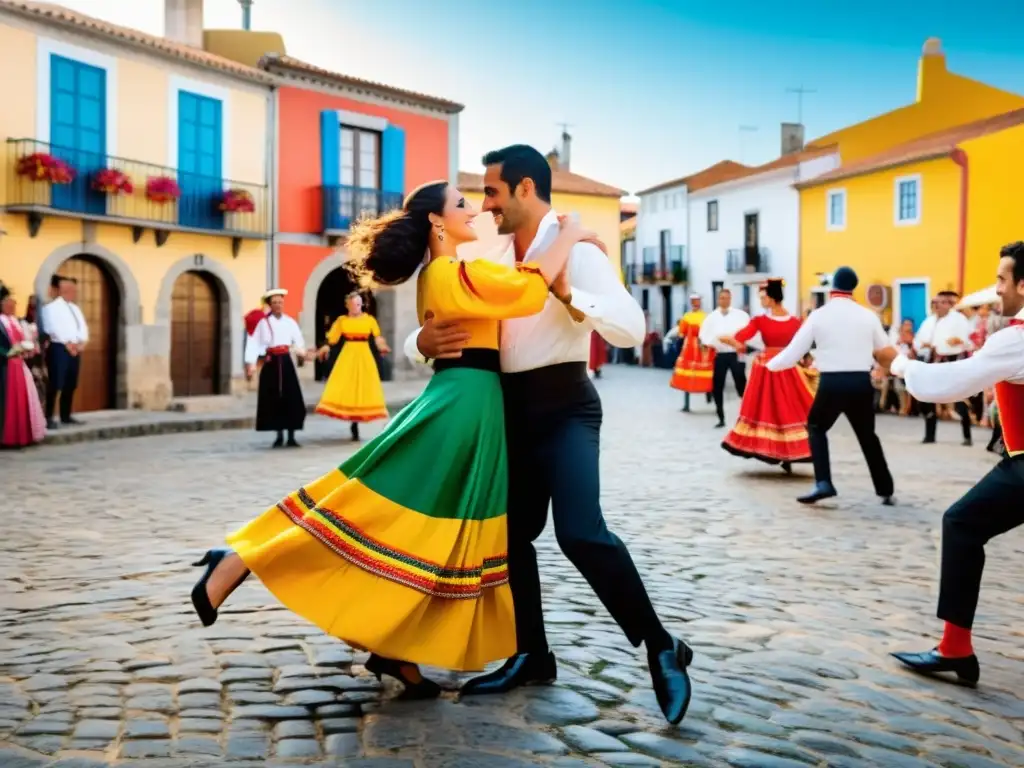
x,y
68,334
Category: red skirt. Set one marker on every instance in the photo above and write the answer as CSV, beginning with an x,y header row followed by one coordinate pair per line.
x,y
694,369
772,424
598,351
23,422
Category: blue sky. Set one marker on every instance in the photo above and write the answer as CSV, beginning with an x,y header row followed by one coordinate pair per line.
x,y
653,89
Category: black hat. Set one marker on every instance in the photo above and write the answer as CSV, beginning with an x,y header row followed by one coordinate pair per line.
x,y
844,280
4,292
773,288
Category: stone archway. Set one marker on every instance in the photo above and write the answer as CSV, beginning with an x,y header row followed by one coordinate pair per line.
x,y
307,317
128,331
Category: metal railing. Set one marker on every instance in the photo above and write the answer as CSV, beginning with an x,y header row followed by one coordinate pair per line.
x,y
197,205
631,274
344,205
747,260
650,270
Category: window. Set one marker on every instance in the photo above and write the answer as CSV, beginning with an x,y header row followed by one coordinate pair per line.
x,y
653,207
360,158
712,215
835,209
908,200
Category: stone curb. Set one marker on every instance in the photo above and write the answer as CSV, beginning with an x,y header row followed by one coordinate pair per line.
x,y
201,423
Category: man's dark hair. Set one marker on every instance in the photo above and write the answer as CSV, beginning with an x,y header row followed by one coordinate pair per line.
x,y
1015,251
56,280
725,290
519,162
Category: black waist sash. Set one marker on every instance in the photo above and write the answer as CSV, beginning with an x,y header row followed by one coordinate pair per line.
x,y
472,357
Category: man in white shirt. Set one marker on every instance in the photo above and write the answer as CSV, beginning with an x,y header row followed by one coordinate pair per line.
x,y
553,423
996,504
68,334
280,406
724,321
845,336
943,338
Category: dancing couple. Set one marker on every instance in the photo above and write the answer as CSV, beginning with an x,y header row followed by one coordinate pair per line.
x,y
405,550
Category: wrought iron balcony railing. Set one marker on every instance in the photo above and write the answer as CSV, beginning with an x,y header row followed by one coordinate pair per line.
x,y
102,187
747,260
650,272
631,274
345,205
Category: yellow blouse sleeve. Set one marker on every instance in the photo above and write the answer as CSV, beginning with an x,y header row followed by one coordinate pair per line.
x,y
334,335
374,327
483,289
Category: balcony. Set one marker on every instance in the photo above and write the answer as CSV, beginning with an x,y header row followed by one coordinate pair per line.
x,y
345,205
678,270
631,274
748,261
199,204
648,273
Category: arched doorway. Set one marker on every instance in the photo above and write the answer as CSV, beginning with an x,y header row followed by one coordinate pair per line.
x,y
330,304
196,338
100,302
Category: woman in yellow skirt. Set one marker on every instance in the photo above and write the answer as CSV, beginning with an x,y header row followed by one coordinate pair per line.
x,y
402,550
354,392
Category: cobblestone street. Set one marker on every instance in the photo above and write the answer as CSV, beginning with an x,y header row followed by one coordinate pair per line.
x,y
792,612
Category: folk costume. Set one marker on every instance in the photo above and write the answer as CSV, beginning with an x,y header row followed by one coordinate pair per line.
x,y
724,322
772,423
598,354
354,391
694,368
845,336
991,508
280,407
21,414
945,339
403,549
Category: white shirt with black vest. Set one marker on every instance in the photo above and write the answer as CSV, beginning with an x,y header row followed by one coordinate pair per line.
x,y
845,336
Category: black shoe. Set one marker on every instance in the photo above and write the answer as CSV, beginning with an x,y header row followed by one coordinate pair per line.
x,y
720,424
821,491
200,599
888,501
928,441
71,421
967,443
521,669
421,689
292,443
279,442
966,669
671,682
787,468
355,432
51,424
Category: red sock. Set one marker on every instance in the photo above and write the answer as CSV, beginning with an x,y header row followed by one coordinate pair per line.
x,y
956,642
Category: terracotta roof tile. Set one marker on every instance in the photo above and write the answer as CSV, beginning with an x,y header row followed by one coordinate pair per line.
x,y
291,64
715,174
629,208
934,145
565,182
628,226
56,14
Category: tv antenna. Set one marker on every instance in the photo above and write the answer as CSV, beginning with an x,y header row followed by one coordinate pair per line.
x,y
800,93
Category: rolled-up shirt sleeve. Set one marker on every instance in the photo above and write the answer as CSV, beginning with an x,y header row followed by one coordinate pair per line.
x,y
797,348
606,304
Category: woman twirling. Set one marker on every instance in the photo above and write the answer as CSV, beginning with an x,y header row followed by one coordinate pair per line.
x,y
21,415
772,424
354,392
402,549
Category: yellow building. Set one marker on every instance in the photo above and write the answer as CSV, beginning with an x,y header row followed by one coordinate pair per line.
x,y
165,223
901,207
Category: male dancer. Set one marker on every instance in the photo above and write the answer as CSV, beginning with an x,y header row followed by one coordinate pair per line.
x,y
280,406
553,423
993,506
845,336
724,321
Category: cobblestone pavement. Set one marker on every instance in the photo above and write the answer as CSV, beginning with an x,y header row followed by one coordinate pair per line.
x,y
792,613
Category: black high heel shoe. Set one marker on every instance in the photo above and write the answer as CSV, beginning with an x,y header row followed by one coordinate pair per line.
x,y
200,599
424,689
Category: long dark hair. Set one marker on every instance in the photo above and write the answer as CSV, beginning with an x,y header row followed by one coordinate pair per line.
x,y
388,249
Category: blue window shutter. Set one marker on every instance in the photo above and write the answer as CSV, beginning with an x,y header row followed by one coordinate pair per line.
x,y
330,148
392,170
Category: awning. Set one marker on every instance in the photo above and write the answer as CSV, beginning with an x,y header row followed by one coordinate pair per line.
x,y
976,299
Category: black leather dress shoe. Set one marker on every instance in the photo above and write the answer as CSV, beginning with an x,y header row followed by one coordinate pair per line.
x,y
966,668
671,681
888,501
521,669
821,491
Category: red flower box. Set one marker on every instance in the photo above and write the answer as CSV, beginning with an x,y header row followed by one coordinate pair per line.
x,y
238,201
111,181
43,167
162,189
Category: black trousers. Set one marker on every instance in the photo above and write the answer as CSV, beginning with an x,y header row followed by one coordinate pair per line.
x,y
726,362
850,394
62,368
553,426
990,508
931,420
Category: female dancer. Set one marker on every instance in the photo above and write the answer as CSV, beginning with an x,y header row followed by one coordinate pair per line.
x,y
354,392
772,424
21,415
402,549
695,366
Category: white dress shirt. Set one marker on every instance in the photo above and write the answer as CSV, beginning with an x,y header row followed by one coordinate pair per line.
x,y
65,323
844,334
719,324
1001,358
272,332
937,331
551,336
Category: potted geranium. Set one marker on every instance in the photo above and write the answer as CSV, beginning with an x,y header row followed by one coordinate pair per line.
x,y
237,201
162,189
41,166
111,181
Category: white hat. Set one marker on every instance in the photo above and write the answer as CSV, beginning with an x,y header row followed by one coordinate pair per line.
x,y
274,292
695,296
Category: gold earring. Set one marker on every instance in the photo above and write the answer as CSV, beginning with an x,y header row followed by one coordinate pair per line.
x,y
440,233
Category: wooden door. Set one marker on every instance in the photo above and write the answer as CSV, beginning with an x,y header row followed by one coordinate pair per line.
x,y
100,304
195,336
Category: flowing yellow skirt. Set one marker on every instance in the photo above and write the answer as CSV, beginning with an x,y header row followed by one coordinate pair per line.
x,y
354,391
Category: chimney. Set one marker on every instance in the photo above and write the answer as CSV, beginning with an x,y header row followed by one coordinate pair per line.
x,y
563,156
931,70
792,138
183,22
246,14
552,158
